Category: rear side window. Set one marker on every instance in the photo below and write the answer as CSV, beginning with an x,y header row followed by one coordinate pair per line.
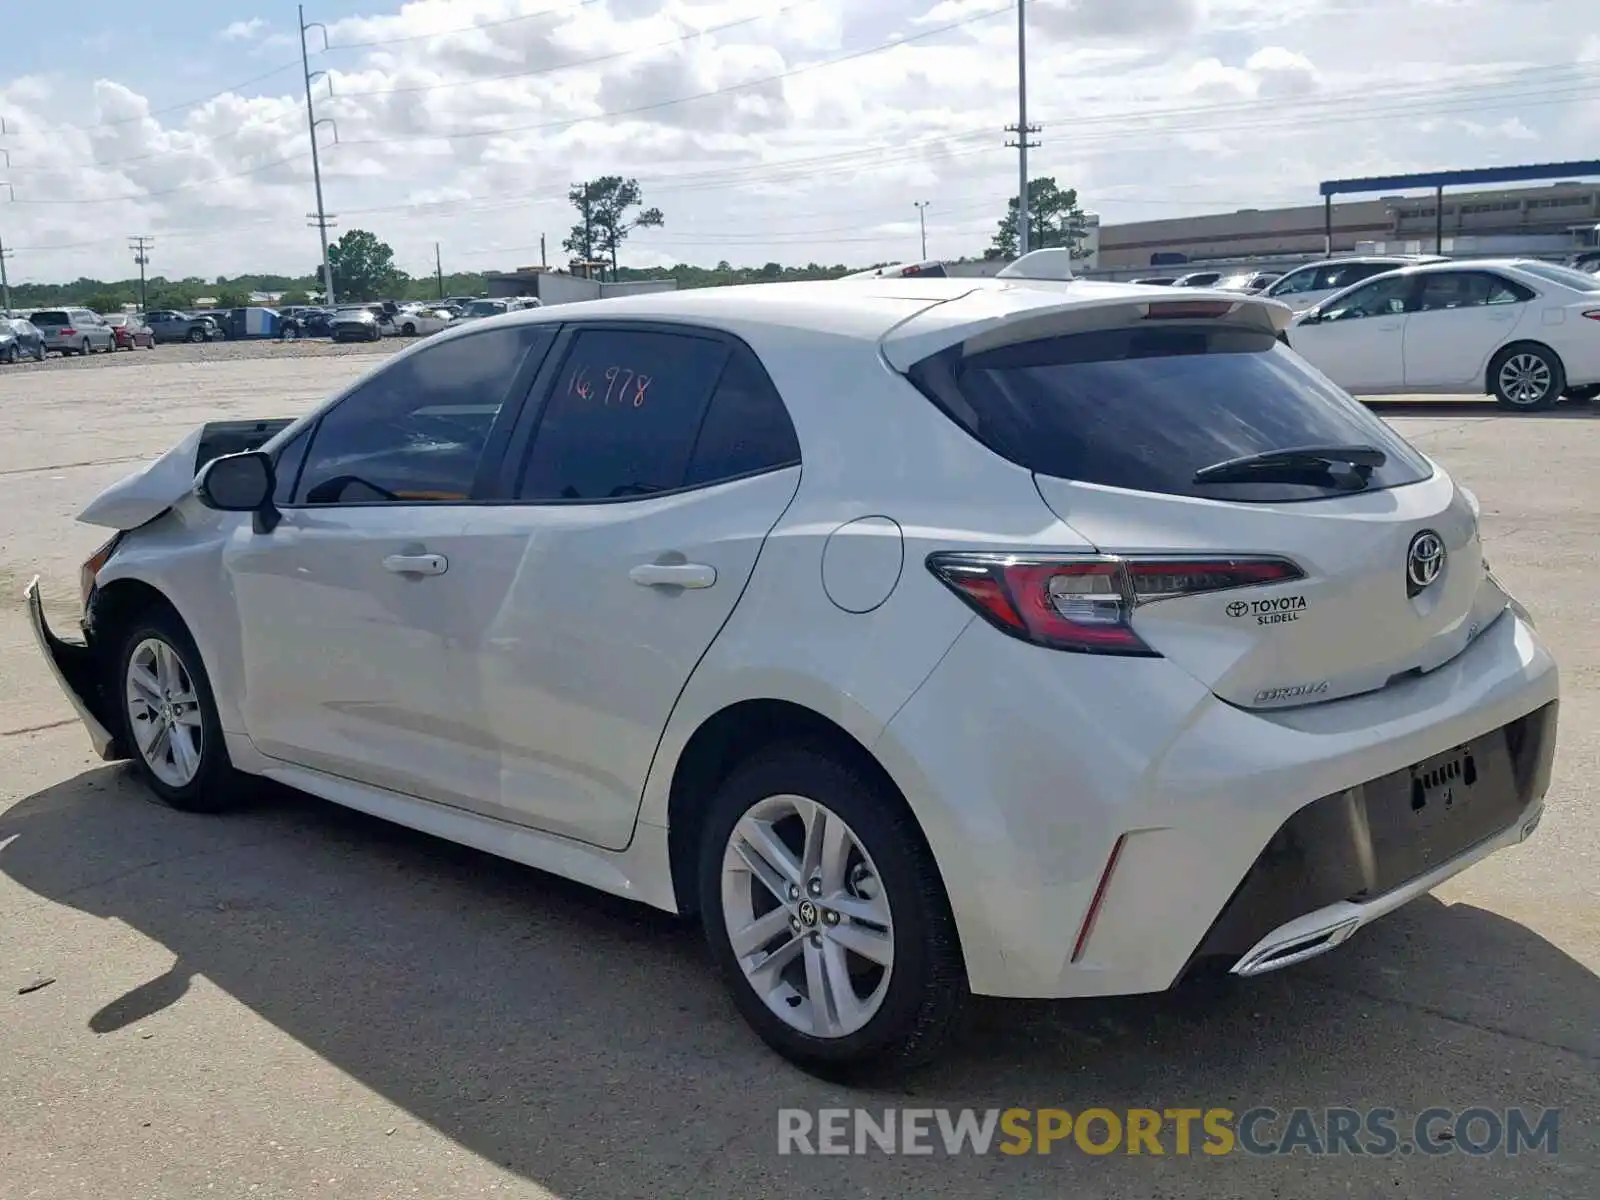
x,y
623,415
1145,408
51,318
746,429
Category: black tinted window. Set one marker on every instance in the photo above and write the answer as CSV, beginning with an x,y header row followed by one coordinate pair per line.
x,y
746,429
1146,408
286,470
51,318
623,416
415,432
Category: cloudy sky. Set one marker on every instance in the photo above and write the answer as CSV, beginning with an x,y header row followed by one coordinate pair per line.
x,y
765,129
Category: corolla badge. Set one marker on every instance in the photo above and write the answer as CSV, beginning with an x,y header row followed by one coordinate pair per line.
x,y
1424,561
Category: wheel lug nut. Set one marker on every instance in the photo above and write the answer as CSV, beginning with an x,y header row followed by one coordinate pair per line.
x,y
829,917
816,939
794,924
815,887
794,892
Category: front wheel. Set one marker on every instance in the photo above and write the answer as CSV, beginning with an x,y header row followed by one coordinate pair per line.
x,y
1527,378
38,352
197,335
169,715
826,916
8,355
409,329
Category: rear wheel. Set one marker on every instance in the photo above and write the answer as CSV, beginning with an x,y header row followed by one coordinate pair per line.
x,y
409,329
38,352
85,349
169,716
8,353
826,916
1527,377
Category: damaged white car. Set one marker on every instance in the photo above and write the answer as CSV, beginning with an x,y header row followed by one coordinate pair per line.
x,y
924,636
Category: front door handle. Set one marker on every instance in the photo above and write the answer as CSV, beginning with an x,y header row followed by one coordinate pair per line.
x,y
416,564
679,575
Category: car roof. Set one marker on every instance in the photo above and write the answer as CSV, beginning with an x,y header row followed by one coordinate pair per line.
x,y
865,310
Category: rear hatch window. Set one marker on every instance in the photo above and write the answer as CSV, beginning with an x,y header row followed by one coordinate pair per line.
x,y
51,318
1146,408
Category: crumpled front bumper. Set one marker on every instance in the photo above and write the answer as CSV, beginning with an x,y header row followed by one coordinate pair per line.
x,y
80,674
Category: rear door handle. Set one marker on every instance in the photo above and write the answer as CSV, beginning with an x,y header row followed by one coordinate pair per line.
x,y
680,575
416,564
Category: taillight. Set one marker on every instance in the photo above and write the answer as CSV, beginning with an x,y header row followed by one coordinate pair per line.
x,y
69,332
1593,314
1185,310
90,571
1085,603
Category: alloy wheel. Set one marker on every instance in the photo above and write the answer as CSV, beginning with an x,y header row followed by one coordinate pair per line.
x,y
1525,379
164,712
807,916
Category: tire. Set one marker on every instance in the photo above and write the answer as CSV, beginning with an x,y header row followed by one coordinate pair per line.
x,y
86,349
408,329
1527,377
196,336
9,356
38,352
208,784
915,1003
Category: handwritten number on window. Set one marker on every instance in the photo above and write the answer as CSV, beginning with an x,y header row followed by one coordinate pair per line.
x,y
624,386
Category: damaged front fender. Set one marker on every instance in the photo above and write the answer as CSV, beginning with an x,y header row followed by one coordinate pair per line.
x,y
82,677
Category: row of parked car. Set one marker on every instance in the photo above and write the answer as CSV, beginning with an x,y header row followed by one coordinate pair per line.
x,y
69,331
375,321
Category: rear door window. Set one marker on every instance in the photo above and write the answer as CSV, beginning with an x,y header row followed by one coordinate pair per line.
x,y
623,416
51,318
1145,408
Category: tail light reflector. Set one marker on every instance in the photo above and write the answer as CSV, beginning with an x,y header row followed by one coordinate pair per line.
x,y
1182,310
1085,603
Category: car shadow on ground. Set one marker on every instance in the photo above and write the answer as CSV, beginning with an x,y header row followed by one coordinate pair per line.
x,y
1485,407
585,1043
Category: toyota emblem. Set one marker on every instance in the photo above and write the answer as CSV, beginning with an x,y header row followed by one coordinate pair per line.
x,y
1238,608
1424,561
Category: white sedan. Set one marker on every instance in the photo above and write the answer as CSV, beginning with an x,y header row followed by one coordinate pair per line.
x,y
421,322
924,637
1523,331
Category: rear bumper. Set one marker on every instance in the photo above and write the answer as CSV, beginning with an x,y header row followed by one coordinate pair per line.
x,y
1238,836
79,674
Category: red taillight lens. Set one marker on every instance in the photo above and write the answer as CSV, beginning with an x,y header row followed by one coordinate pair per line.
x,y
1187,310
67,332
1085,603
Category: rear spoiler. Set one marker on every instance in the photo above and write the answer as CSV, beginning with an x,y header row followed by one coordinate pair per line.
x,y
152,490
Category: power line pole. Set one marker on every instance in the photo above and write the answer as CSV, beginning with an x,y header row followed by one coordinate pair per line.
x,y
321,215
5,283
141,254
1022,129
922,222
438,269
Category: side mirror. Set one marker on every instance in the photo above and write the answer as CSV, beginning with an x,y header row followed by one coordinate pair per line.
x,y
240,483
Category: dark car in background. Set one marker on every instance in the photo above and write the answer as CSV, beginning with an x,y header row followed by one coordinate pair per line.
x,y
356,323
168,326
20,339
130,331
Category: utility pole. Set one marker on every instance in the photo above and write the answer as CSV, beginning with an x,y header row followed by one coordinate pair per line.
x,y
438,269
5,283
543,261
922,222
321,215
141,254
1022,129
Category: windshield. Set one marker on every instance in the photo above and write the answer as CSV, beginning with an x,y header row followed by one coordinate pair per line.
x,y
486,308
1578,281
1145,408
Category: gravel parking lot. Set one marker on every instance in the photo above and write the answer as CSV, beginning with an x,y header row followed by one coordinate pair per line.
x,y
300,1000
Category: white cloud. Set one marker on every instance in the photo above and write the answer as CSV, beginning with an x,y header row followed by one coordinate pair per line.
x,y
243,31
471,119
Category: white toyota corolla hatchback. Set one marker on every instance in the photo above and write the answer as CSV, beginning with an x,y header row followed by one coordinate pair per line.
x,y
923,637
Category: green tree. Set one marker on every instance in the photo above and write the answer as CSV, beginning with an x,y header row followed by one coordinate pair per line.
x,y
105,302
363,267
293,296
1054,220
231,297
604,205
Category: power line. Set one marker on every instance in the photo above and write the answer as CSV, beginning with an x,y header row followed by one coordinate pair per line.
x,y
140,247
880,48
230,90
420,37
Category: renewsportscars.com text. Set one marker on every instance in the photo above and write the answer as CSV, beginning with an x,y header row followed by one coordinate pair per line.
x,y
1378,1132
